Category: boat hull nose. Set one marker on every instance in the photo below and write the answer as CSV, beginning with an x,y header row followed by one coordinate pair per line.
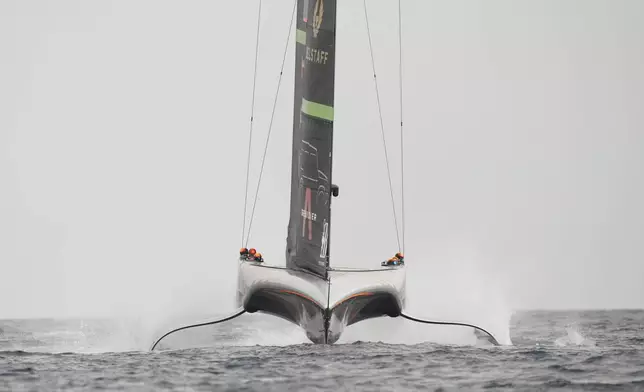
x,y
316,338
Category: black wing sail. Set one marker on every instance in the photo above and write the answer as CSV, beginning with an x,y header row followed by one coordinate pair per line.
x,y
309,223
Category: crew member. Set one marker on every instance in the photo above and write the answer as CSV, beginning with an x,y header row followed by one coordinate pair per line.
x,y
259,258
398,259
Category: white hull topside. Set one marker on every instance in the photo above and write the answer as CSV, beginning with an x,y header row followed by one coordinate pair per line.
x,y
321,307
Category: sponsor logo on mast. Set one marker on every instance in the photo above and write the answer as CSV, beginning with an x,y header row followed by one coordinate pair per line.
x,y
307,214
325,240
317,56
318,13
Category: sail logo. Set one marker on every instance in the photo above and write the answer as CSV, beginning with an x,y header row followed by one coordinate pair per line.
x,y
318,13
325,240
317,56
308,214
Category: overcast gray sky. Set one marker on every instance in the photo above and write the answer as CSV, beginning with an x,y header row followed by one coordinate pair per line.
x,y
124,126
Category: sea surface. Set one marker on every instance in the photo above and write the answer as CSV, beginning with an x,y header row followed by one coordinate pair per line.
x,y
571,350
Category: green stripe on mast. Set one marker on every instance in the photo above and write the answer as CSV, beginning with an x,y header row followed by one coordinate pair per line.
x,y
300,36
318,110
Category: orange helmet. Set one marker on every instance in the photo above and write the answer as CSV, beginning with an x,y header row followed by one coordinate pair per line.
x,y
252,251
243,251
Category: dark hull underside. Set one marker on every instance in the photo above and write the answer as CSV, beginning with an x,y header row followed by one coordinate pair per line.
x,y
291,306
316,321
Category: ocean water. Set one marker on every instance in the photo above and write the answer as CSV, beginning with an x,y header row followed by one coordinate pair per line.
x,y
572,350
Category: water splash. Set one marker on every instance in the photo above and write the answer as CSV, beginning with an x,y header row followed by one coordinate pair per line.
x,y
574,337
454,287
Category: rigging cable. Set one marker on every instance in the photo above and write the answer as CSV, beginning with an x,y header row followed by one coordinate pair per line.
x,y
402,140
252,117
382,127
270,126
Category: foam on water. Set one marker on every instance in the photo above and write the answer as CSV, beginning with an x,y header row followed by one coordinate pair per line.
x,y
263,353
574,337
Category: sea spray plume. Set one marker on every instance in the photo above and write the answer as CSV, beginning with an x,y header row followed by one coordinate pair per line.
x,y
457,284
174,291
265,330
199,324
239,330
453,286
574,337
186,309
139,319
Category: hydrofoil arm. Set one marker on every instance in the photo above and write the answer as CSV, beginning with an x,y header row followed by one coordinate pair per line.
x,y
488,335
237,313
